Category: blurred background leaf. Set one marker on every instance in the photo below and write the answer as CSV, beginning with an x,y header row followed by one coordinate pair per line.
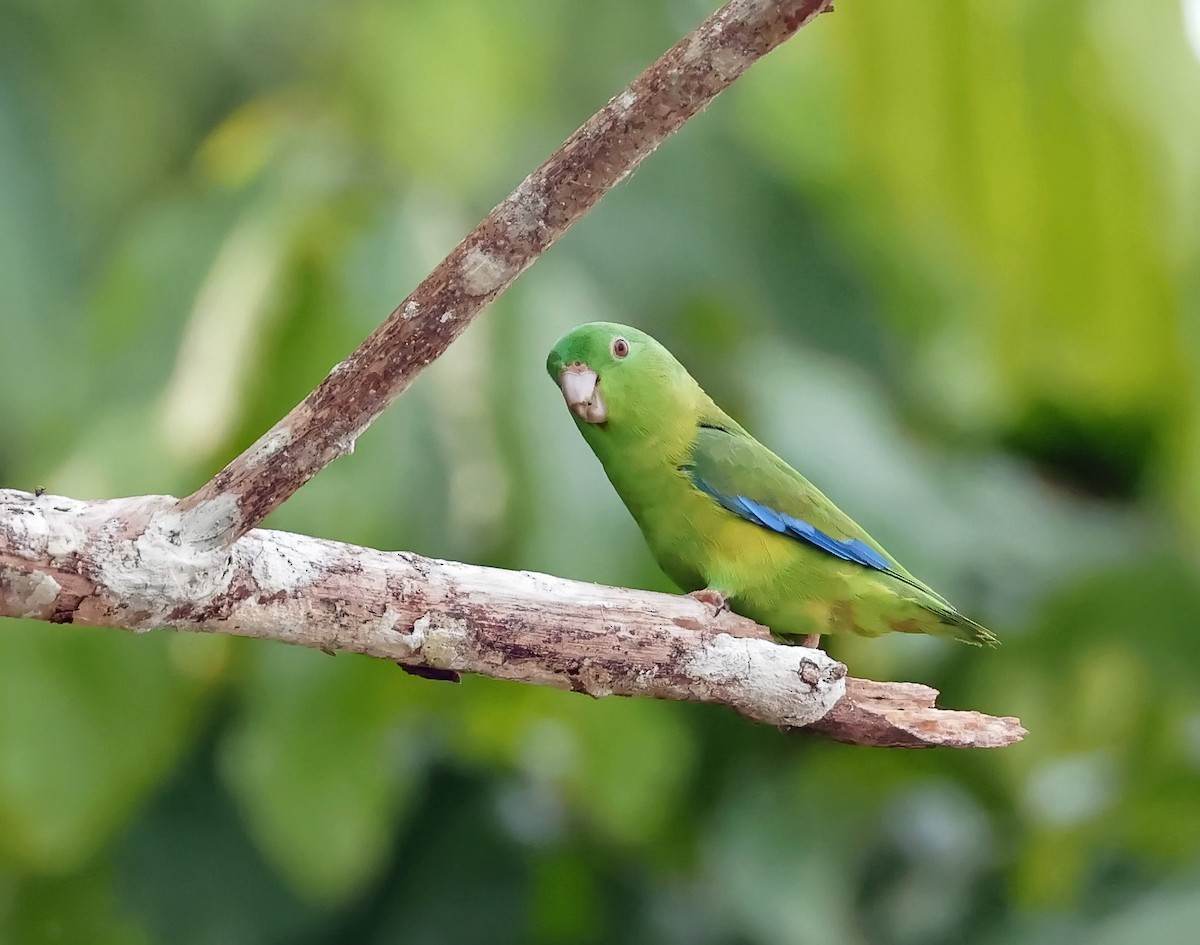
x,y
945,257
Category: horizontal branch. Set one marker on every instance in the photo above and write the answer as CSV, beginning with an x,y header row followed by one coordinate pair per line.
x,y
133,563
597,157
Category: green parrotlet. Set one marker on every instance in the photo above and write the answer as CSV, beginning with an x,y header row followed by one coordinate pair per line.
x,y
727,519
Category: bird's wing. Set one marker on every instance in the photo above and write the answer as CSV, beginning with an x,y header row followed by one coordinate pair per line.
x,y
749,480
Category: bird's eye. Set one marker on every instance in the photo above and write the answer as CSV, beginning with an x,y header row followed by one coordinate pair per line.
x,y
620,347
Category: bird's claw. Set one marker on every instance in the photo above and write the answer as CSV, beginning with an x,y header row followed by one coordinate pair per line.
x,y
715,599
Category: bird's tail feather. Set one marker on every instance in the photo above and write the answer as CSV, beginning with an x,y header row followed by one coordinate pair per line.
x,y
905,607
950,623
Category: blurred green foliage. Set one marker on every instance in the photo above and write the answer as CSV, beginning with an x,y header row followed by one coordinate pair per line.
x,y
943,256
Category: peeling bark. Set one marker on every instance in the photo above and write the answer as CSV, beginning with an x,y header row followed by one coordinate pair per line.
x,y
904,715
130,563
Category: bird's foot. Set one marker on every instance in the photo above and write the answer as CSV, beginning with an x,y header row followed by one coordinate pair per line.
x,y
714,599
812,641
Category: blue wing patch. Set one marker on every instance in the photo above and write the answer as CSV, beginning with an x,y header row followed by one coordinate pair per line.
x,y
848,550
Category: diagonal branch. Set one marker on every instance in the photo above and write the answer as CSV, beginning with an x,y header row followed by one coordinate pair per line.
x,y
591,162
132,563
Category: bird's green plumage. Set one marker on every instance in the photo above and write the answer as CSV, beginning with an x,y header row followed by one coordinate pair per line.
x,y
670,452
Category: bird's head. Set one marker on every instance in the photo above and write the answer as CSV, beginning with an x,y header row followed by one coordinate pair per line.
x,y
609,372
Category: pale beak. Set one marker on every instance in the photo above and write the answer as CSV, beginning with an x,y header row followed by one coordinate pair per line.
x,y
581,391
